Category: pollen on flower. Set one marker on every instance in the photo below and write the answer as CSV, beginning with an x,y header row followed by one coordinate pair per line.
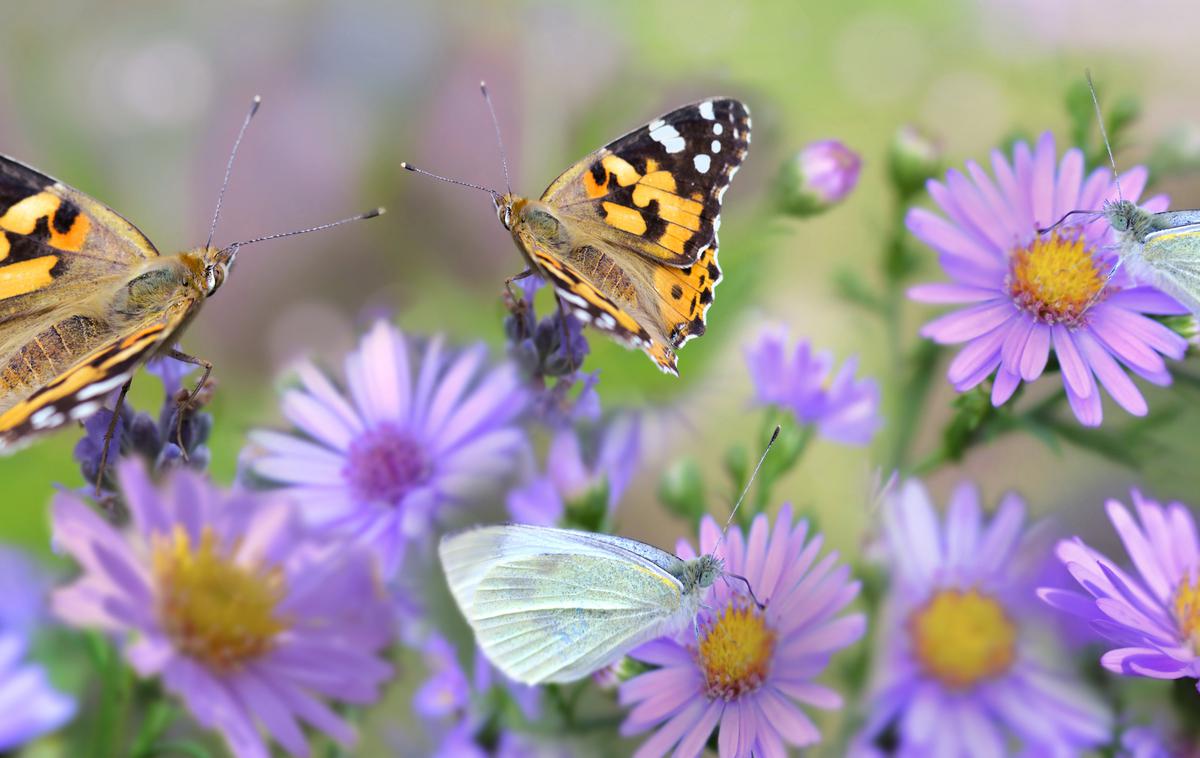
x,y
961,638
1055,278
735,653
213,609
1187,610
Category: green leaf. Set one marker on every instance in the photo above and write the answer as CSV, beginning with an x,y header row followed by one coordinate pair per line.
x,y
681,490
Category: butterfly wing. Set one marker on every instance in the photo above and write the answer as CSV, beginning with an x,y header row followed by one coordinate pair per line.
x,y
657,191
1172,259
553,605
77,392
639,302
54,237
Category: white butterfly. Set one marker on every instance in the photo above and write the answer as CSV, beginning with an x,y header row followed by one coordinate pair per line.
x,y
554,605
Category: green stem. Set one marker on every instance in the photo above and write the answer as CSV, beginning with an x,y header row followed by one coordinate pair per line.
x,y
115,698
159,717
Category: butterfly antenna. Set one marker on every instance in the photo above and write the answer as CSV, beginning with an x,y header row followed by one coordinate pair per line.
x,y
499,142
1104,134
257,101
746,489
410,167
360,217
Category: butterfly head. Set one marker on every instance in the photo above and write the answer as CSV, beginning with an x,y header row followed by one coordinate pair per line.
x,y
1126,218
504,208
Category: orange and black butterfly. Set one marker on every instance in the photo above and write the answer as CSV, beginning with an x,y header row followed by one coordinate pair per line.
x,y
628,235
85,299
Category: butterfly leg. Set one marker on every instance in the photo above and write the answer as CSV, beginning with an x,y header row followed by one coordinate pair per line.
x,y
187,402
516,278
109,434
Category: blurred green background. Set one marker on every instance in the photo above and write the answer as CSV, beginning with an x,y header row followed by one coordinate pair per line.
x,y
137,104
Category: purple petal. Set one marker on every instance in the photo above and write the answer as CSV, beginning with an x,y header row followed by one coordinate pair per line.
x,y
943,292
969,323
1111,375
1076,374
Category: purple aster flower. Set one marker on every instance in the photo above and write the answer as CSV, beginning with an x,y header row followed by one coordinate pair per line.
x,y
246,617
842,408
415,435
820,176
571,477
1027,294
1153,618
744,670
446,691
960,669
29,703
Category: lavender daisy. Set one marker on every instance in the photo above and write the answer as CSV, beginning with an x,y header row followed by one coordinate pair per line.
x,y
747,669
571,478
958,669
246,617
1026,294
842,408
30,705
1152,618
415,435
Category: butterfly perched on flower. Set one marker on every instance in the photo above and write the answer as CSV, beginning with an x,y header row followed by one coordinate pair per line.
x,y
628,235
86,299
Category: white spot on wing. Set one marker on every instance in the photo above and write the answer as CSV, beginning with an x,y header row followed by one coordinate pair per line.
x,y
706,110
84,410
42,417
667,136
717,128
606,321
716,146
702,162
101,387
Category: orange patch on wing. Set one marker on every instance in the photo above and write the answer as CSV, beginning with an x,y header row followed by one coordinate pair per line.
x,y
26,276
72,240
622,169
671,207
22,218
593,189
625,219
4,246
660,179
137,337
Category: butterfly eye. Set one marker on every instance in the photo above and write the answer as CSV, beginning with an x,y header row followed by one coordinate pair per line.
x,y
214,277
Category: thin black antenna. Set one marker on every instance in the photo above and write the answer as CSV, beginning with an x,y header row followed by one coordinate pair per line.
x,y
499,142
257,101
746,489
1104,134
410,167
360,217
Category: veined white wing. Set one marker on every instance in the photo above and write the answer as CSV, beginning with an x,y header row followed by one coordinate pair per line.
x,y
554,605
1173,258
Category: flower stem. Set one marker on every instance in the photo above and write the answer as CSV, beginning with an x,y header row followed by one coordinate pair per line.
x,y
112,711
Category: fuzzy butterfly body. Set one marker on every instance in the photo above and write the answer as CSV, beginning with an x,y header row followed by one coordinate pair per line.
x,y
628,235
85,299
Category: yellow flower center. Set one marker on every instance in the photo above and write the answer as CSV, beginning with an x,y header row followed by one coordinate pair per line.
x,y
214,610
1055,278
1187,611
735,653
961,638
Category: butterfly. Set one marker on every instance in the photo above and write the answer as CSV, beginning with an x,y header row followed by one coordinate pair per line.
x,y
1162,249
86,299
554,605
628,235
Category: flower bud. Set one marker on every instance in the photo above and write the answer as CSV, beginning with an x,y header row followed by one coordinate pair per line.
x,y
914,158
818,177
